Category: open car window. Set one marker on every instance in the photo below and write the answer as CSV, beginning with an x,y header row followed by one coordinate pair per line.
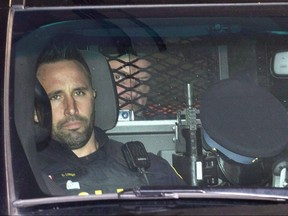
x,y
206,91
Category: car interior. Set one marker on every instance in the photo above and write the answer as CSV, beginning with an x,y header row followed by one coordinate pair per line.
x,y
212,100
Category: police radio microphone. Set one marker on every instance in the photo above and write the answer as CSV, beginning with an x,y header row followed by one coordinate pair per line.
x,y
136,157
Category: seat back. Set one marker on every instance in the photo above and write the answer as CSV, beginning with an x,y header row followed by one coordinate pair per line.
x,y
106,103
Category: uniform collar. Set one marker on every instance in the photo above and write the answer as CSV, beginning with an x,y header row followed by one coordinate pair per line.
x,y
100,136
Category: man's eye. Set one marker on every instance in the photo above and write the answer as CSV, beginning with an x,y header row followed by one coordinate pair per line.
x,y
55,97
117,76
79,93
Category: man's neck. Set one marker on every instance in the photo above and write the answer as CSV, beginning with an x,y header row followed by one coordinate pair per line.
x,y
90,147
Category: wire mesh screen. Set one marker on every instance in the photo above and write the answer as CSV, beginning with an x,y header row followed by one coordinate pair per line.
x,y
153,85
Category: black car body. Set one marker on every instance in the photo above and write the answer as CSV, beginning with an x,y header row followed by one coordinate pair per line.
x,y
202,111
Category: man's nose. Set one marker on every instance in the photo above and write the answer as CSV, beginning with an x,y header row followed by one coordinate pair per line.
x,y
70,106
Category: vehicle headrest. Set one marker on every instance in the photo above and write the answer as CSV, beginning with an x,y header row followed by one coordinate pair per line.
x,y
245,119
106,103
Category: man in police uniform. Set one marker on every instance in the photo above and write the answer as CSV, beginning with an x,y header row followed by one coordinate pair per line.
x,y
81,158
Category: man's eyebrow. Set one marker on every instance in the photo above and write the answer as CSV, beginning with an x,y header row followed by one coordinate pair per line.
x,y
54,93
81,88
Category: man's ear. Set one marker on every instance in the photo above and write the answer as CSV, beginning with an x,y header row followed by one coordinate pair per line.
x,y
36,120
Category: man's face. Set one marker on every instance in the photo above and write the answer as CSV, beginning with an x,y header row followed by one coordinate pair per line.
x,y
129,78
72,98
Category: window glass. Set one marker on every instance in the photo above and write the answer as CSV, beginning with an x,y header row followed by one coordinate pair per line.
x,y
163,70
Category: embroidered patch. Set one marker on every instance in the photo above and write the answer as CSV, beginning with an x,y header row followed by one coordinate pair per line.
x,y
72,185
68,174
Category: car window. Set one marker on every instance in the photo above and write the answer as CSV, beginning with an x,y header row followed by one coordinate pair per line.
x,y
206,93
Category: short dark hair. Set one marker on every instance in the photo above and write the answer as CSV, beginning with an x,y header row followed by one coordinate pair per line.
x,y
55,52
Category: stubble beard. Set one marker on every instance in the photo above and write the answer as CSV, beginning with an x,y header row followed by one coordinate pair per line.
x,y
73,139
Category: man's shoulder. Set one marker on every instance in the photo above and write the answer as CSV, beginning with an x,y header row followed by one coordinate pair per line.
x,y
158,161
162,173
114,150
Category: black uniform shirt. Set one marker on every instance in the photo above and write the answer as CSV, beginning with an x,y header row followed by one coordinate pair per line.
x,y
104,171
